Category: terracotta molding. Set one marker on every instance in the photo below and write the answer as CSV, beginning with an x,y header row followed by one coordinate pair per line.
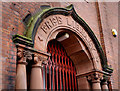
x,y
32,49
91,72
66,12
39,61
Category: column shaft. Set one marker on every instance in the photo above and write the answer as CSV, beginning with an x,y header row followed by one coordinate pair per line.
x,y
96,85
21,81
36,78
105,86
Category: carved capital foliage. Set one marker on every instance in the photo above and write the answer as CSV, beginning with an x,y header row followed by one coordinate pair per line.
x,y
19,53
39,60
23,56
105,80
35,58
20,56
28,55
94,77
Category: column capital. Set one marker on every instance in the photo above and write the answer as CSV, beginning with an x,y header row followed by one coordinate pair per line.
x,y
104,80
19,53
39,61
27,55
104,83
94,77
23,55
20,56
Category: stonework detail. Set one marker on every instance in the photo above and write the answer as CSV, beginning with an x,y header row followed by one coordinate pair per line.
x,y
95,80
47,28
23,56
28,55
19,53
15,15
39,61
31,59
94,77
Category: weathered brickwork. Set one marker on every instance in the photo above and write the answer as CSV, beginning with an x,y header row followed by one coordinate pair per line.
x,y
109,18
13,14
0,45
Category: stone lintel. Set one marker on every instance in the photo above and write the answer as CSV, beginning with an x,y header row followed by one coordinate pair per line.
x,y
22,40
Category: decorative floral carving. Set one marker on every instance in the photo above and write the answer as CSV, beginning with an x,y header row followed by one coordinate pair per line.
x,y
39,60
19,53
35,58
94,77
28,55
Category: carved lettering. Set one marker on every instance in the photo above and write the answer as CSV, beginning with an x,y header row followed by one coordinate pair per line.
x,y
73,24
48,24
59,19
44,28
68,22
51,22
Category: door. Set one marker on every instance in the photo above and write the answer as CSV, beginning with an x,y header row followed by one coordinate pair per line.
x,y
60,72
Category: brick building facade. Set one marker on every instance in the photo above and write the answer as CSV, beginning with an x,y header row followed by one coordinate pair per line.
x,y
99,17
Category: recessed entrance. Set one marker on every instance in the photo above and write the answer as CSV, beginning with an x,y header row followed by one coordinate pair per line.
x,y
69,58
60,71
76,58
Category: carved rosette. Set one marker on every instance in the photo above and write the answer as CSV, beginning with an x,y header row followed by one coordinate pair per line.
x,y
94,77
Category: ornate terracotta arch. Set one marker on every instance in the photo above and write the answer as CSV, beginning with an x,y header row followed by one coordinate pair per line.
x,y
69,11
47,22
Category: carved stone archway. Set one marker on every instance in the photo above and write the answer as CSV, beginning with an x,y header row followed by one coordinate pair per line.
x,y
46,25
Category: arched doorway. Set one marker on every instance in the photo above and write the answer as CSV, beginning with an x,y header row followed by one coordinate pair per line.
x,y
82,47
74,48
60,72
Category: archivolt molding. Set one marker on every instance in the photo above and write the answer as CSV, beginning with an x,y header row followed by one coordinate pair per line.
x,y
71,25
85,33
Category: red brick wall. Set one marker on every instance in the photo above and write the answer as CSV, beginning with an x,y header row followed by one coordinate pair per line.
x,y
12,23
0,45
13,14
109,18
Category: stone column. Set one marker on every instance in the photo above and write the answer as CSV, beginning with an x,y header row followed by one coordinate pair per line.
x,y
104,85
96,84
21,82
95,80
36,73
